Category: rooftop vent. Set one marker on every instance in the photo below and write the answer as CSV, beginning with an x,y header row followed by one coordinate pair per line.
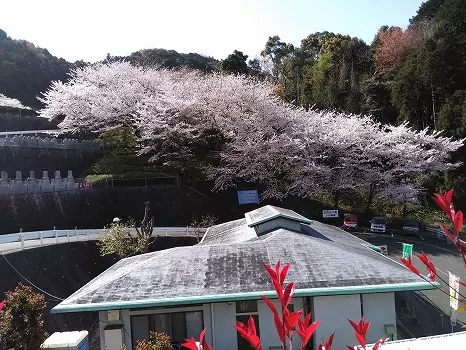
x,y
270,218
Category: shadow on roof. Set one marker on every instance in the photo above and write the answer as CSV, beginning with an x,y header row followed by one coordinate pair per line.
x,y
309,231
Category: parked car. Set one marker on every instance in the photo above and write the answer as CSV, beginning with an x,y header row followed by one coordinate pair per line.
x,y
379,224
350,222
411,227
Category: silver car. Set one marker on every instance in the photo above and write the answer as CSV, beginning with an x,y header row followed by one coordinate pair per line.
x,y
379,225
411,227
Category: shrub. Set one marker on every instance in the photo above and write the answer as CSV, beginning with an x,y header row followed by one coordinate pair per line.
x,y
22,319
156,341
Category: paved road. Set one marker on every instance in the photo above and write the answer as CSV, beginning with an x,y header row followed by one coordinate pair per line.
x,y
442,254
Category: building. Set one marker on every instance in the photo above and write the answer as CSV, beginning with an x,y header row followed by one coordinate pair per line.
x,y
218,281
445,341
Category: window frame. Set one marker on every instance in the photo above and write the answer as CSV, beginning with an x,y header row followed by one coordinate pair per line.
x,y
250,313
165,311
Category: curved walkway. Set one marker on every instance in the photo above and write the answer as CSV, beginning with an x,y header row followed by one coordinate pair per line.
x,y
26,240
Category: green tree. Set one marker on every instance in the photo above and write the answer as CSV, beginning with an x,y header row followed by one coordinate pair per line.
x,y
22,319
120,240
376,99
171,59
338,72
26,70
452,116
255,67
235,63
427,11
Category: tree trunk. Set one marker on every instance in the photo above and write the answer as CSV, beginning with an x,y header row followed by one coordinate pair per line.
x,y
404,210
371,196
336,198
433,103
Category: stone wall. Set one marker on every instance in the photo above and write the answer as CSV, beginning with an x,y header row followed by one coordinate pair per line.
x,y
14,159
96,208
18,185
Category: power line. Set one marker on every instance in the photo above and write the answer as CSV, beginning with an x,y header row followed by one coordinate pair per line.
x,y
32,284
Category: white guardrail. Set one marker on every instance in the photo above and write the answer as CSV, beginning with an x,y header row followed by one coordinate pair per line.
x,y
73,235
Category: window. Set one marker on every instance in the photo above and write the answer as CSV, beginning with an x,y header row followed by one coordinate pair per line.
x,y
246,306
178,325
244,309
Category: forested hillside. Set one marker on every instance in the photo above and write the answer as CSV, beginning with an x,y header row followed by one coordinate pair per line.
x,y
26,70
417,74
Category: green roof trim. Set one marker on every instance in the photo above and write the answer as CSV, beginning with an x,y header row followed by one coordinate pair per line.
x,y
373,247
117,305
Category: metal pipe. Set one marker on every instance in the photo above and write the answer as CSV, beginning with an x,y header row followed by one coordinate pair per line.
x,y
212,323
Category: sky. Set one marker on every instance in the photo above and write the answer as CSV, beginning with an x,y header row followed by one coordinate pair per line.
x,y
89,29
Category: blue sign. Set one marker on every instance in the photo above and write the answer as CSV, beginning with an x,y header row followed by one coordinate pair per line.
x,y
249,196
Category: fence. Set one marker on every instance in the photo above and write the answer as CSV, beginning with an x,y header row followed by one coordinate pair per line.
x,y
76,235
49,143
109,181
421,316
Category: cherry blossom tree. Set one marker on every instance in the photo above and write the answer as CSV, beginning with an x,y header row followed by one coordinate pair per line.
x,y
235,129
11,102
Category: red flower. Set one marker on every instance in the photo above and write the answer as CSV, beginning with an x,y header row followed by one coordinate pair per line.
x,y
409,264
458,222
192,345
249,333
2,304
448,234
444,202
326,344
278,277
430,266
360,329
306,330
379,343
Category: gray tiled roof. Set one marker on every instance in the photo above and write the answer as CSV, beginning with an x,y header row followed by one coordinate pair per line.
x,y
230,260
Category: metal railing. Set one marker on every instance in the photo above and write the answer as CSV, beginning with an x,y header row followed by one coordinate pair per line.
x,y
76,235
423,316
29,132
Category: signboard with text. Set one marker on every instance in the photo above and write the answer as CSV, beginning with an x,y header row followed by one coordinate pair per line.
x,y
330,213
407,250
248,197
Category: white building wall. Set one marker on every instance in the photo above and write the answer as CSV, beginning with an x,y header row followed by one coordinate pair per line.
x,y
268,333
332,311
224,333
123,321
379,308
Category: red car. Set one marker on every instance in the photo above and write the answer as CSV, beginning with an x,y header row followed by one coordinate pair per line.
x,y
350,222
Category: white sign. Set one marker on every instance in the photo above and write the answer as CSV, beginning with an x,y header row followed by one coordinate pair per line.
x,y
330,213
454,282
383,249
